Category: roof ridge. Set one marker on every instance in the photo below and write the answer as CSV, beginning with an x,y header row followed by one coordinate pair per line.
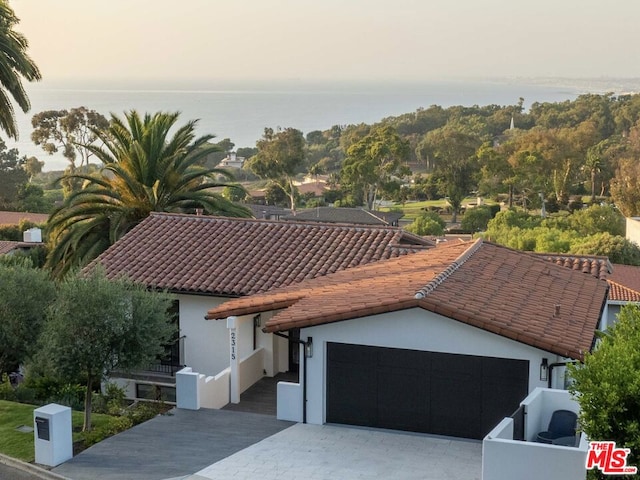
x,y
455,265
293,224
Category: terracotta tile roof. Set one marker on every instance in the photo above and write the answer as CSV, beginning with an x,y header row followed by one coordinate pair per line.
x,y
345,215
599,267
8,246
621,293
627,275
13,218
624,280
513,294
234,257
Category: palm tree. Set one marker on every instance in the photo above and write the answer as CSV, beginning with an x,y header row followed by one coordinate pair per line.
x,y
14,63
144,171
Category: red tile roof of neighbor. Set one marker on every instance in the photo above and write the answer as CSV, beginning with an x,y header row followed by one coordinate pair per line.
x,y
7,246
621,293
13,218
627,275
513,294
234,256
597,266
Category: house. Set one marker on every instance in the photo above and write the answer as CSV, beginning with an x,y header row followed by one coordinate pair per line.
x,y
32,237
231,161
209,260
268,212
445,341
354,216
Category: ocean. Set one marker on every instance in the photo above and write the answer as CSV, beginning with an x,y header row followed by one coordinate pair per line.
x,y
241,112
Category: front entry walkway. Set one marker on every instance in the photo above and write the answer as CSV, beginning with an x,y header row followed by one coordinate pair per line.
x,y
332,451
261,397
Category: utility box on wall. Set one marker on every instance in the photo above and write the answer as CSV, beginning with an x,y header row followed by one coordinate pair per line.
x,y
53,436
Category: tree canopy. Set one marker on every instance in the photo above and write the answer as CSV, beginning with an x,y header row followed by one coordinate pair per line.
x,y
68,131
372,160
280,156
144,170
97,325
25,294
607,385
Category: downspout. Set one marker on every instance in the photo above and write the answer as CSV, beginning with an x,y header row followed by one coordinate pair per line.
x,y
304,372
557,364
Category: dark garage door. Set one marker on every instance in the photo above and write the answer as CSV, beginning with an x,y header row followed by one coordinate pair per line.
x,y
440,393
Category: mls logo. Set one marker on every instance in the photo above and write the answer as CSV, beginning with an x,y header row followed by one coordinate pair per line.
x,y
609,459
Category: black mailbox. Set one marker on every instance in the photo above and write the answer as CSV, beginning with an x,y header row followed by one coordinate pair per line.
x,y
42,425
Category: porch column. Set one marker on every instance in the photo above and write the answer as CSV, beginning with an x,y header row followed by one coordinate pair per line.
x,y
234,390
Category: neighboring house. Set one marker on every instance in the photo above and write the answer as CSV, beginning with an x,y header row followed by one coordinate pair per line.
x,y
231,161
208,260
31,238
355,216
624,288
312,190
446,341
8,248
268,212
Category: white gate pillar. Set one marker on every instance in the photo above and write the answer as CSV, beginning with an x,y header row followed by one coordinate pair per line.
x,y
234,361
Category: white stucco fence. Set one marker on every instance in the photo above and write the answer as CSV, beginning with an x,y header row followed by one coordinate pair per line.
x,y
251,369
505,459
195,391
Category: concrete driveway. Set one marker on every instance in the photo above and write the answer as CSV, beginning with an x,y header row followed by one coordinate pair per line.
x,y
215,444
331,451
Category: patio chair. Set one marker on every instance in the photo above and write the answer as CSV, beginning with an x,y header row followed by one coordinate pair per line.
x,y
562,424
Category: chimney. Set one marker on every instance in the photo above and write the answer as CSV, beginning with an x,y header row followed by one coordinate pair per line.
x,y
32,235
199,211
557,314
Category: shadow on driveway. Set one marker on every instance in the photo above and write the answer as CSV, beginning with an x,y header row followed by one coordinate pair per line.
x,y
173,445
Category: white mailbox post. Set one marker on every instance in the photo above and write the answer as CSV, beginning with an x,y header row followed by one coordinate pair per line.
x,y
53,436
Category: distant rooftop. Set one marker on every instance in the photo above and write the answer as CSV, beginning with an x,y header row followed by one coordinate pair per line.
x,y
14,218
356,216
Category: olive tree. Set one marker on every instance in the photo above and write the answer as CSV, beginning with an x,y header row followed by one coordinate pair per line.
x,y
97,326
25,294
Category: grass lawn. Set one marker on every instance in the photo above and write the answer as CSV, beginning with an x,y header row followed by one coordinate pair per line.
x,y
414,209
20,445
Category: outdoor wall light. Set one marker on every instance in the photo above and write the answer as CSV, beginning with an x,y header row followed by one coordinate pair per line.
x,y
308,347
544,370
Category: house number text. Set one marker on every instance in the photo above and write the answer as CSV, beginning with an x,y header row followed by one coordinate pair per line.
x,y
233,345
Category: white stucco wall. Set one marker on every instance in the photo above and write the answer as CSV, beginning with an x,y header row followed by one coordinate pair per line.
x,y
206,342
633,229
414,329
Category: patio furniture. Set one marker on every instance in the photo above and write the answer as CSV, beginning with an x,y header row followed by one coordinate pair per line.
x,y
562,424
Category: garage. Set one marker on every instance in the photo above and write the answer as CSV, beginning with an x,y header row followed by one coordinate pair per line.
x,y
429,392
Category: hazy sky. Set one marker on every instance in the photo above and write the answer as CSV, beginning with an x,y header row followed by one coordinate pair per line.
x,y
331,39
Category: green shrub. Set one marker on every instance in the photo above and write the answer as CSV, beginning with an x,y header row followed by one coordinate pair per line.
x,y
476,219
428,223
7,391
115,426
